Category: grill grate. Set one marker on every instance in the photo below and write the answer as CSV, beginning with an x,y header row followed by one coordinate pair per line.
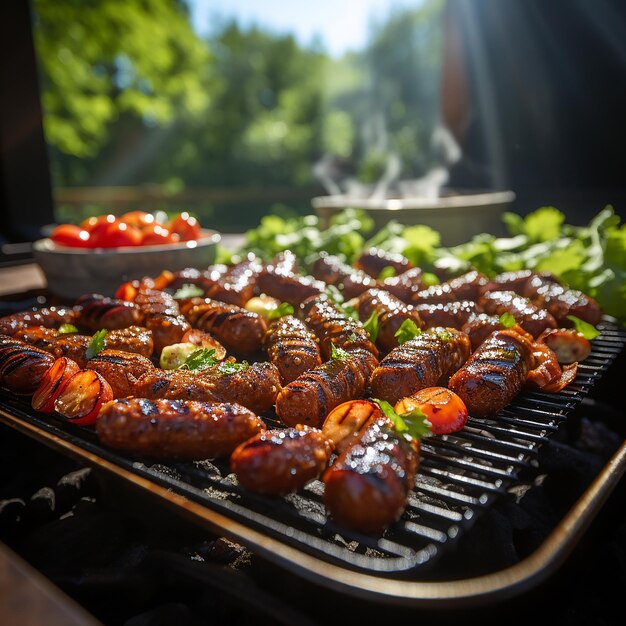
x,y
460,477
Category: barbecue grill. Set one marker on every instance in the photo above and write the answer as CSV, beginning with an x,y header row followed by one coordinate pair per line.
x,y
461,476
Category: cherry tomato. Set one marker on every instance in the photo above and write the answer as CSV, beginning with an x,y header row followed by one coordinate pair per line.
x,y
156,234
53,383
118,235
71,235
97,223
185,226
445,411
83,397
127,291
138,219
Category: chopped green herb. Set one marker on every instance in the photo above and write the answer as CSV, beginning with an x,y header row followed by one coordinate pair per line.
x,y
372,325
444,335
284,308
408,330
199,360
97,344
507,320
387,272
584,328
429,279
414,423
334,295
188,291
338,353
66,329
233,368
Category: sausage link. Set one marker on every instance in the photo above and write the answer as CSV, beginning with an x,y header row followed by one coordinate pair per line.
x,y
240,331
447,314
287,286
517,281
285,262
281,461
375,260
308,399
49,317
97,312
332,327
469,286
254,387
425,361
391,313
292,347
237,284
494,374
530,317
120,369
175,429
367,487
480,327
331,270
406,285
22,366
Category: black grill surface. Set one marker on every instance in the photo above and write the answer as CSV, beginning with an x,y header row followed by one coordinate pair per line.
x,y
460,477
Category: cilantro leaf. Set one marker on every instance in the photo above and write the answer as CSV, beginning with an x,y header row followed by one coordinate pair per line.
x,y
97,344
429,279
230,367
408,330
337,353
387,272
584,328
507,320
284,308
188,291
372,325
414,423
199,360
66,329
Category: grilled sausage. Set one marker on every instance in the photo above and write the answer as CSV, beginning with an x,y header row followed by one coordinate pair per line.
x,y
480,327
281,461
49,317
406,285
391,313
97,312
469,286
446,314
22,366
292,347
351,281
308,399
240,331
285,262
367,487
237,284
517,281
332,327
192,276
494,374
39,336
529,316
286,286
120,369
255,386
72,345
175,429
425,361
375,260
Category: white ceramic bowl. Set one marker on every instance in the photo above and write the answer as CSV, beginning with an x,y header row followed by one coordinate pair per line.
x,y
71,272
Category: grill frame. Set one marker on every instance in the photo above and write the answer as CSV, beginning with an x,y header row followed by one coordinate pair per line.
x,y
449,510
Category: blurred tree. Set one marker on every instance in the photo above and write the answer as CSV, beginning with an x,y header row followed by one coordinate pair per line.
x,y
102,61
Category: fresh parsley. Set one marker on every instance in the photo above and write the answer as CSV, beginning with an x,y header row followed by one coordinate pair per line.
x,y
66,329
387,272
414,423
199,360
408,330
337,353
372,325
97,343
429,279
284,308
584,328
188,291
507,320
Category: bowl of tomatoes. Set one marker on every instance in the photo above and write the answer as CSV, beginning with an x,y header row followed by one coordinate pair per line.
x,y
104,251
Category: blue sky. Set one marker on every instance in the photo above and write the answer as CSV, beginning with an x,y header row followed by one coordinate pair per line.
x,y
341,24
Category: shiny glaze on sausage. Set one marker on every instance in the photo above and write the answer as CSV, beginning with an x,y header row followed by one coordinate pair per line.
x,y
406,285
287,286
495,373
446,314
281,461
425,361
22,366
333,271
292,347
49,317
375,260
120,369
176,429
96,312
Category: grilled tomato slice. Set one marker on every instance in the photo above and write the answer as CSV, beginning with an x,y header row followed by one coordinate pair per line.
x,y
83,396
53,383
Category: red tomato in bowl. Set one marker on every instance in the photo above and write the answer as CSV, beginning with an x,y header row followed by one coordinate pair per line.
x,y
98,223
185,226
139,219
157,235
71,235
118,235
